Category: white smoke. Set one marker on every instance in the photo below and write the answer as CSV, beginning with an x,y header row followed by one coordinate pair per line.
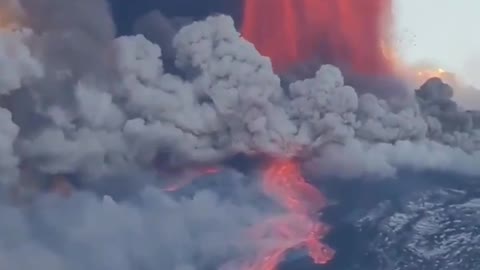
x,y
75,100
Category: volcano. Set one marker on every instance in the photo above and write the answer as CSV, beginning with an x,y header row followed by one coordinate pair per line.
x,y
115,149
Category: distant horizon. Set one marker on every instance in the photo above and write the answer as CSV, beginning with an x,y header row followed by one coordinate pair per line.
x,y
440,32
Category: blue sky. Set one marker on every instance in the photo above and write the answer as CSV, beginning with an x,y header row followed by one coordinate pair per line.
x,y
445,32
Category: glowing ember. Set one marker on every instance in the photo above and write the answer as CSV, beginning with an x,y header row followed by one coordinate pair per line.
x,y
415,76
423,75
283,181
342,32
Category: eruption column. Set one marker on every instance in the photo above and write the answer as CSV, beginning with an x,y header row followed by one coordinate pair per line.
x,y
348,33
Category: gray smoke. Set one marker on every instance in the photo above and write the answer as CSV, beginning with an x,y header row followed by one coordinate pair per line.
x,y
153,232
468,97
161,30
77,101
123,112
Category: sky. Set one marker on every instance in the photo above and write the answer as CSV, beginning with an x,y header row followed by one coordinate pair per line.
x,y
445,32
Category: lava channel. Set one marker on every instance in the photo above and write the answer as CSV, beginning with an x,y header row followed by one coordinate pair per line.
x,y
299,228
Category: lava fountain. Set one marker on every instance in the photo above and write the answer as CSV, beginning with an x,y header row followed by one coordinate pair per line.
x,y
346,33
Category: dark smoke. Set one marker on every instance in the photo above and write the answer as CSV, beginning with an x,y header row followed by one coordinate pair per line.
x,y
126,13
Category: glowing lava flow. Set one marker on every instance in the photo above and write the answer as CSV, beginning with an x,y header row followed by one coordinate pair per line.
x,y
349,33
297,228
283,181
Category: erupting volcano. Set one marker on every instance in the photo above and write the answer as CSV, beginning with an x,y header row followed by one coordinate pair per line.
x,y
119,153
348,33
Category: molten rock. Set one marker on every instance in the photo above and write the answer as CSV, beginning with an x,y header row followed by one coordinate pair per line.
x,y
349,33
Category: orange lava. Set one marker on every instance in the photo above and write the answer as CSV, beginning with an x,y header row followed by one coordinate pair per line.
x,y
349,33
283,181
297,228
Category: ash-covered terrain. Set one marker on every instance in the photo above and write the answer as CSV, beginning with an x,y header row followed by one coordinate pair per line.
x,y
435,229
419,222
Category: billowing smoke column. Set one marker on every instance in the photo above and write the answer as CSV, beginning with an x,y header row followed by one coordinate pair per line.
x,y
348,33
102,113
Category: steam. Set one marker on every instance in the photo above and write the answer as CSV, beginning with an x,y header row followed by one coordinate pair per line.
x,y
77,101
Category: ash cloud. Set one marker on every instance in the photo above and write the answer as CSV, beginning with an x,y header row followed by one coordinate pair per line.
x,y
154,231
127,108
78,101
159,29
70,36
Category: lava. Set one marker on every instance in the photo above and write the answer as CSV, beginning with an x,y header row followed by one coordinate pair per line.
x,y
347,33
299,228
284,182
295,228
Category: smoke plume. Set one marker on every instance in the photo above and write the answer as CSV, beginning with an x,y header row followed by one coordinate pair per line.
x,y
78,102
